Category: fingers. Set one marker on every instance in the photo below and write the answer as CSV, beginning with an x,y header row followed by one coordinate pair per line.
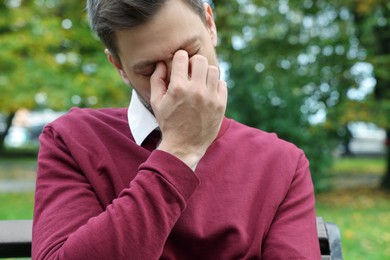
x,y
180,65
194,72
203,74
213,78
199,69
195,69
190,110
158,85
222,92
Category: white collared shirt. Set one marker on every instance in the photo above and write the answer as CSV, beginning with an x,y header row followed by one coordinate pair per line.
x,y
141,121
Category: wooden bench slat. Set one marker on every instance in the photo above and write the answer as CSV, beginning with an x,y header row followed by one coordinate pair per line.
x,y
15,238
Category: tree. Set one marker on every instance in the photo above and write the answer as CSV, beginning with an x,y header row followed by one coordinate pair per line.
x,y
289,68
50,58
292,65
292,62
372,20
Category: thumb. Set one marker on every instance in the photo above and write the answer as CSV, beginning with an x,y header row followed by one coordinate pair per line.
x,y
158,86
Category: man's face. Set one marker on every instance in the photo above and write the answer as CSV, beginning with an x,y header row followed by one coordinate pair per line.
x,y
175,27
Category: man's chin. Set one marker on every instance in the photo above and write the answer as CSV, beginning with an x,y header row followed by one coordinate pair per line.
x,y
145,103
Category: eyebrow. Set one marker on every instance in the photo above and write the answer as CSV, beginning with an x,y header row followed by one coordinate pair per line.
x,y
186,43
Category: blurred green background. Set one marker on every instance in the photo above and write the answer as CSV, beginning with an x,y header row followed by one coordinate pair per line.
x,y
316,72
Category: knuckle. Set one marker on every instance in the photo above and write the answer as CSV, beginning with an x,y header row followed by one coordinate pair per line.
x,y
176,88
213,71
220,107
213,68
197,58
153,78
198,96
181,56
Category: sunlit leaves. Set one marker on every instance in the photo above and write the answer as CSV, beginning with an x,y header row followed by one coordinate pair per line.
x,y
47,49
294,63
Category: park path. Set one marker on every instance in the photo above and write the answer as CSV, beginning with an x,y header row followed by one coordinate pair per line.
x,y
352,181
17,175
10,186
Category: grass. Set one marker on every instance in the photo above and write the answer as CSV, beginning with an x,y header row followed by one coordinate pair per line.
x,y
359,165
16,205
362,214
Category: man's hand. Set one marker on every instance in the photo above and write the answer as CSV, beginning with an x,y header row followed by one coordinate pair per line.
x,y
191,108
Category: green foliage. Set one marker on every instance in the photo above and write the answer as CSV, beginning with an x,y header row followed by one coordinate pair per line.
x,y
50,58
293,62
288,62
372,20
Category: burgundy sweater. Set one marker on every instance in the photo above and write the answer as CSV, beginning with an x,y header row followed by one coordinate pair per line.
x,y
101,196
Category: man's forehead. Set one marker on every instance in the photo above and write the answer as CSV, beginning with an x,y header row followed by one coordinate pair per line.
x,y
174,27
189,42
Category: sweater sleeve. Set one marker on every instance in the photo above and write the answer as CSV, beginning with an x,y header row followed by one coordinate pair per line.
x,y
293,233
70,222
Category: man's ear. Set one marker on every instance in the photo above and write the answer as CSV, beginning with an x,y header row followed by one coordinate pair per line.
x,y
210,24
118,66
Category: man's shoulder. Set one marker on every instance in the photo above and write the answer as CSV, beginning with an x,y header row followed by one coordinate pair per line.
x,y
82,118
97,113
250,132
77,113
257,136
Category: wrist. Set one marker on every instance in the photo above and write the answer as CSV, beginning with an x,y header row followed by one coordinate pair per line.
x,y
190,157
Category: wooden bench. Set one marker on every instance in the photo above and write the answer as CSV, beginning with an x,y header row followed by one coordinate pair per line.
x,y
15,239
330,240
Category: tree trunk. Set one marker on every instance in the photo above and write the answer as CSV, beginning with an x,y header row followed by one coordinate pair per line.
x,y
4,134
386,179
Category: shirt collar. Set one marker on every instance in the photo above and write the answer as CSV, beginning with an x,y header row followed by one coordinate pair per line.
x,y
141,120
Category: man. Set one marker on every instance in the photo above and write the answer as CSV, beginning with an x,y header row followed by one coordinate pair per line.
x,y
212,189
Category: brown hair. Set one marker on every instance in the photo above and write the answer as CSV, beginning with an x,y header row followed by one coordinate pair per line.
x,y
108,16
